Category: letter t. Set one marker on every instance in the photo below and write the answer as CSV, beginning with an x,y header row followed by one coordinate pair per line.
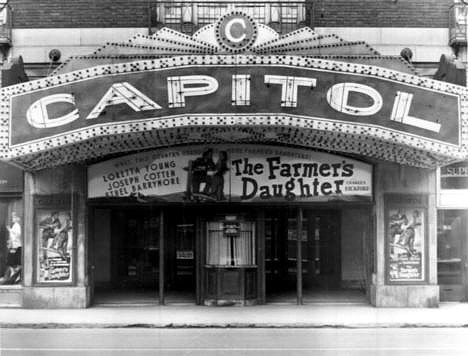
x,y
289,87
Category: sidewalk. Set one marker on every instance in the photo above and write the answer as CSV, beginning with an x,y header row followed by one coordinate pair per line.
x,y
268,316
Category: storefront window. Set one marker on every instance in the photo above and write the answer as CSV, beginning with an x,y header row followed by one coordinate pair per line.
x,y
11,241
451,231
230,243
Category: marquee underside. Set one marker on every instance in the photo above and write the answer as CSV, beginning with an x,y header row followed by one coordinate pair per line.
x,y
333,141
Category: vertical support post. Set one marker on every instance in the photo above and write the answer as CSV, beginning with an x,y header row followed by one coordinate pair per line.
x,y
198,261
150,31
311,14
464,266
28,232
90,255
261,286
161,257
80,212
299,256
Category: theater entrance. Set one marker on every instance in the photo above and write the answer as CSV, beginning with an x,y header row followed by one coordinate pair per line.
x,y
317,275
319,248
125,255
142,255
224,255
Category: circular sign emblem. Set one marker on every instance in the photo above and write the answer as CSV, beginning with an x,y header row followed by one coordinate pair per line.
x,y
236,32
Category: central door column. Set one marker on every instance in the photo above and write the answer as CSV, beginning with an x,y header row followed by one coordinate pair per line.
x,y
299,256
161,258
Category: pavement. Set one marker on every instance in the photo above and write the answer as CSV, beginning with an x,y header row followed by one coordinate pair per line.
x,y
448,315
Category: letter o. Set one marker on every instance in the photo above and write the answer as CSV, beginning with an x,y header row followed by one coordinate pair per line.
x,y
338,95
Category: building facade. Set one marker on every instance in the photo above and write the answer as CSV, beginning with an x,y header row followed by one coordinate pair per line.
x,y
225,153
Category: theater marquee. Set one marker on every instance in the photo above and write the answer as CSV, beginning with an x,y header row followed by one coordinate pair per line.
x,y
233,78
219,89
228,173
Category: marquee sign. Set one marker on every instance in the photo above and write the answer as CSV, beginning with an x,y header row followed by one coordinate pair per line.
x,y
242,89
227,173
263,96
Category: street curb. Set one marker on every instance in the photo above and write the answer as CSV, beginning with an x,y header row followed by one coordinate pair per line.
x,y
224,326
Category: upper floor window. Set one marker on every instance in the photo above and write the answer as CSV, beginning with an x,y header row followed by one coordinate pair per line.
x,y
189,16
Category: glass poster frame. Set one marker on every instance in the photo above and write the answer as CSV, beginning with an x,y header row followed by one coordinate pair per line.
x,y
55,240
406,238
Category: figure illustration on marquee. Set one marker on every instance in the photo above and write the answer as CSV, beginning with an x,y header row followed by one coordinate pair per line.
x,y
205,178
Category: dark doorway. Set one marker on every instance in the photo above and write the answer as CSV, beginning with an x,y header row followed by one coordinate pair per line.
x,y
126,255
320,245
321,250
280,257
180,256
143,255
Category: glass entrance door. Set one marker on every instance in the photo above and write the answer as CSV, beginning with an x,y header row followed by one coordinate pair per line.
x,y
136,250
321,253
280,269
180,256
125,255
320,245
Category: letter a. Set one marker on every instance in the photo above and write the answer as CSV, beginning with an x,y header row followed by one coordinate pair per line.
x,y
123,93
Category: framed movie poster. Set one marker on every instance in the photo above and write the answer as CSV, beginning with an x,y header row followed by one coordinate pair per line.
x,y
54,242
405,238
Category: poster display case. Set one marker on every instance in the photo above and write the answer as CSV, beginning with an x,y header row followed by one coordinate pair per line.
x,y
54,240
406,238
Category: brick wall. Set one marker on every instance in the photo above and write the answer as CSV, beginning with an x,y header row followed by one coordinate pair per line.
x,y
381,13
133,13
79,13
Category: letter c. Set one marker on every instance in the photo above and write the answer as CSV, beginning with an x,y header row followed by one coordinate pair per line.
x,y
228,28
38,116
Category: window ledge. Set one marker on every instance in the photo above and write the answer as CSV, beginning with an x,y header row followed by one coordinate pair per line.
x,y
10,286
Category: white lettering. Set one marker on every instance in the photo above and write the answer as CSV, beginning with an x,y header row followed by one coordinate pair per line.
x,y
189,85
400,113
241,89
338,96
228,29
38,116
289,87
123,93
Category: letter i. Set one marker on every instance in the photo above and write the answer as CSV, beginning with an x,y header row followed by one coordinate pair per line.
x,y
241,89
